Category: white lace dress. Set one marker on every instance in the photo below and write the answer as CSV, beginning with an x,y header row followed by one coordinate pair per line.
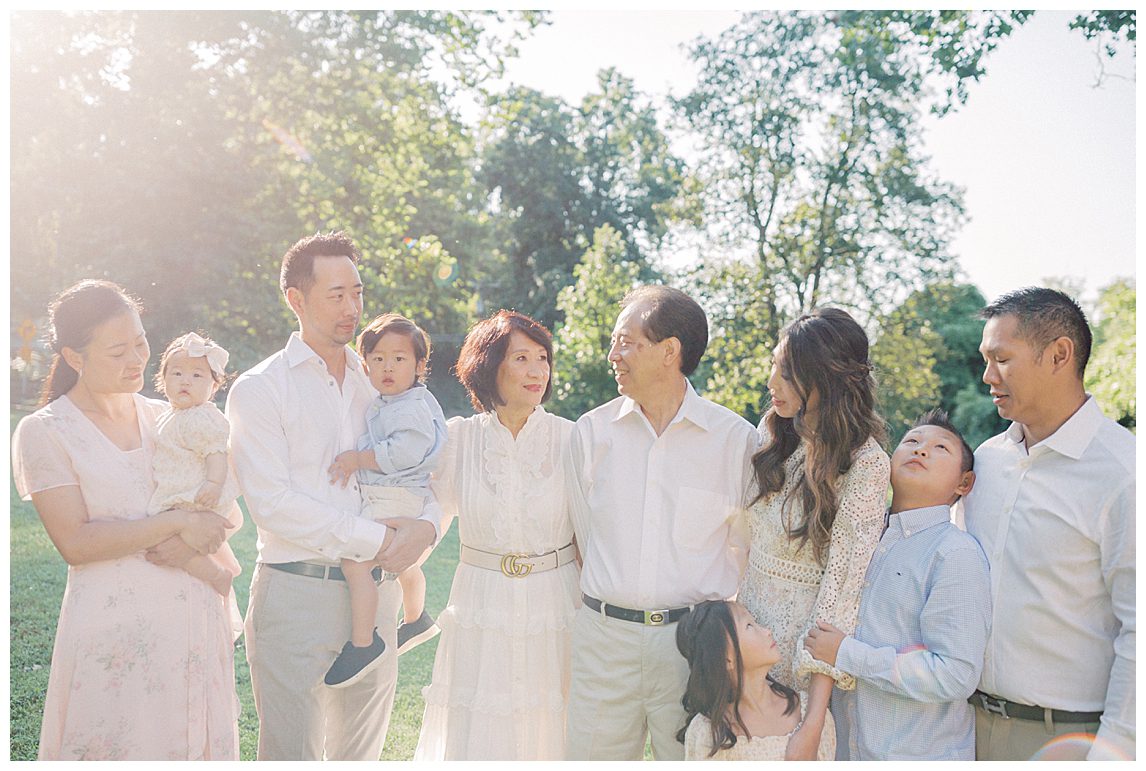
x,y
698,742
501,673
787,590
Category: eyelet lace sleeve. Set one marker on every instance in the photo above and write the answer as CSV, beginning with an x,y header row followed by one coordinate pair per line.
x,y
855,535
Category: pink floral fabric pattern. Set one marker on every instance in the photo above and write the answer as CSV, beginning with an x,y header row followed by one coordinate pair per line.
x,y
143,662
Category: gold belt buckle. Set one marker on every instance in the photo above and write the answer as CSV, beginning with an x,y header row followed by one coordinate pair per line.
x,y
514,566
655,617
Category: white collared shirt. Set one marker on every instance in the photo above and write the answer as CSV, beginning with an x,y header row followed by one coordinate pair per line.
x,y
1057,525
660,520
289,420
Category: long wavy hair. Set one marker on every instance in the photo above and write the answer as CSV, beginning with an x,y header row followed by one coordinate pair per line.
x,y
705,637
824,352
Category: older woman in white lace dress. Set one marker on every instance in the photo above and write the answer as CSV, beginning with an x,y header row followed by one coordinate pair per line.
x,y
501,673
822,482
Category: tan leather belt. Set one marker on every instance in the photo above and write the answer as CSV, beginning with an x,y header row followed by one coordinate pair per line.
x,y
518,565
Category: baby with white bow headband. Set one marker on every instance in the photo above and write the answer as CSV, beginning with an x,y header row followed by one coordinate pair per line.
x,y
191,465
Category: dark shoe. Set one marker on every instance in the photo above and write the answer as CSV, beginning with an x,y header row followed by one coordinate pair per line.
x,y
355,663
416,632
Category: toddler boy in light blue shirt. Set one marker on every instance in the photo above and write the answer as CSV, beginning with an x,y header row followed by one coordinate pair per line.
x,y
917,651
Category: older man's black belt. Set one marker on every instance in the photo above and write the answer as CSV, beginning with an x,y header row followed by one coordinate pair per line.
x,y
647,617
1008,709
311,570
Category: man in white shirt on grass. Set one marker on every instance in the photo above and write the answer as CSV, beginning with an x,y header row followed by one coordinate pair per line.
x,y
291,415
1053,508
658,479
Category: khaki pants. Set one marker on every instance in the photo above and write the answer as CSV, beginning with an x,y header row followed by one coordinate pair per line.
x,y
379,502
1000,738
627,682
295,628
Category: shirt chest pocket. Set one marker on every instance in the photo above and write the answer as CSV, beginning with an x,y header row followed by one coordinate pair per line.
x,y
700,518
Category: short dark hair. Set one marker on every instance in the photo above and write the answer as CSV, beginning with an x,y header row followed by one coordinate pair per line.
x,y
484,349
298,262
394,323
672,313
938,418
1044,315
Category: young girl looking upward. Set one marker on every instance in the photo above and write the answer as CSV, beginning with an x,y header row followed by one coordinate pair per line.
x,y
735,710
405,434
190,465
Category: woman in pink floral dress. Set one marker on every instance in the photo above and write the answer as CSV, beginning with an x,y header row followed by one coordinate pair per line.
x,y
142,667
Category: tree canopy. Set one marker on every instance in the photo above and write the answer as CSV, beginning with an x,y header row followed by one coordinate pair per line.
x,y
180,153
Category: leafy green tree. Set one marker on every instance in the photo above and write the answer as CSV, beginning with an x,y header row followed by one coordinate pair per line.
x,y
1107,24
181,153
734,371
121,162
947,46
1110,375
975,415
904,359
556,173
582,378
927,355
808,126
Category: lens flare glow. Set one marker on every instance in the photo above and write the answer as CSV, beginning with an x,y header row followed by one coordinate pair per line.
x,y
288,141
1076,747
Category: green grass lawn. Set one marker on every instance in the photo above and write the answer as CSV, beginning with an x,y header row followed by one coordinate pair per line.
x,y
38,574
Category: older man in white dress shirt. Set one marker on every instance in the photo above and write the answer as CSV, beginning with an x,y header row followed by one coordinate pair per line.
x,y
1053,508
290,416
658,479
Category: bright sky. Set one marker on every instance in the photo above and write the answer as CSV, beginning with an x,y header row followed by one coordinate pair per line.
x,y
1047,161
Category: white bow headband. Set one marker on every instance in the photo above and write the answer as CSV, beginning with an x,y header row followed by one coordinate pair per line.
x,y
194,345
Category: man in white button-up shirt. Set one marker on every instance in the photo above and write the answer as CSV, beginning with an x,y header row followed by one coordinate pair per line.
x,y
1053,508
658,479
291,415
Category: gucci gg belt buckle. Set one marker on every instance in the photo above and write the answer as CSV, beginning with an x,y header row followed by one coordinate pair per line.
x,y
655,617
515,566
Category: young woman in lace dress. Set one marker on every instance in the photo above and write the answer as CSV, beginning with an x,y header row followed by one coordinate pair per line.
x,y
735,709
501,673
816,520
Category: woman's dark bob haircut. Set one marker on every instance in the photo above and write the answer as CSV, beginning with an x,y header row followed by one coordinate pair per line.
x,y
484,350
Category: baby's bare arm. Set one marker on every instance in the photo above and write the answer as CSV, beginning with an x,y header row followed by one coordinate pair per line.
x,y
209,491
